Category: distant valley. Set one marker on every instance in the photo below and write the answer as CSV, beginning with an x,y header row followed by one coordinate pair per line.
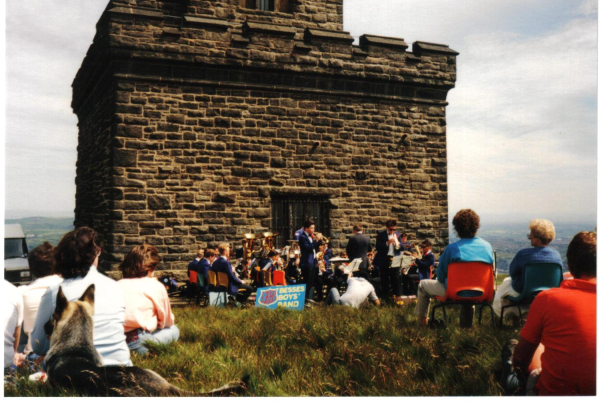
x,y
40,229
506,238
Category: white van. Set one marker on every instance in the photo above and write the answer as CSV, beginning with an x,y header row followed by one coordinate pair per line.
x,y
16,267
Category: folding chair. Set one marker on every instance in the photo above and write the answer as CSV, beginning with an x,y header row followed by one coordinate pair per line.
x,y
213,287
201,291
193,283
278,277
469,283
538,277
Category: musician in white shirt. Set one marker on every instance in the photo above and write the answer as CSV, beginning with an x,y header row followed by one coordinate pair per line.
x,y
387,246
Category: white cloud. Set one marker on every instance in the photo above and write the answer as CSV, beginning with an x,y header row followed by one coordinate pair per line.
x,y
521,120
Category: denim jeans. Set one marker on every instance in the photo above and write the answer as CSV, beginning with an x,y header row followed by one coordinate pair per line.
x,y
135,341
333,298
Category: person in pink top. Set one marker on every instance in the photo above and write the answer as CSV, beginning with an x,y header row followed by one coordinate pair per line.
x,y
148,315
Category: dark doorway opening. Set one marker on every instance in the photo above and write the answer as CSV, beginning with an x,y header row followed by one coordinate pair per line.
x,y
289,212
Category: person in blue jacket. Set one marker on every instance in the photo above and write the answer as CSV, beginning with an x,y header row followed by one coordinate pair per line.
x,y
201,265
222,264
309,246
419,270
468,248
541,233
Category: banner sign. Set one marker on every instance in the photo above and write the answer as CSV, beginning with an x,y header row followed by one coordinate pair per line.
x,y
289,296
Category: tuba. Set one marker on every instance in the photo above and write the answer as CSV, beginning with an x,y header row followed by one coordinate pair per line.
x,y
248,245
268,242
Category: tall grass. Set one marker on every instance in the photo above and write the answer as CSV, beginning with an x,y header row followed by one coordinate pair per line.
x,y
322,351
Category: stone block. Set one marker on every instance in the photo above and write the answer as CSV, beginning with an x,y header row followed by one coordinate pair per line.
x,y
159,202
224,197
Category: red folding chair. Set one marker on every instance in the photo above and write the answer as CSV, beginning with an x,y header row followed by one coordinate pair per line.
x,y
469,283
278,277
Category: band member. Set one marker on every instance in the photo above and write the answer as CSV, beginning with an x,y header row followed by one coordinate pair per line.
x,y
404,244
359,245
271,262
388,246
309,245
420,269
324,278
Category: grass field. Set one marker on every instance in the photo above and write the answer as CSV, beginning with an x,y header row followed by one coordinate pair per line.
x,y
323,351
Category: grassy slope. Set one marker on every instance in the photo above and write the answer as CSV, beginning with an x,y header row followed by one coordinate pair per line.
x,y
323,351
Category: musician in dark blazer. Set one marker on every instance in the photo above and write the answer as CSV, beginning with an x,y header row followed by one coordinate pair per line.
x,y
387,246
201,265
309,246
359,245
221,264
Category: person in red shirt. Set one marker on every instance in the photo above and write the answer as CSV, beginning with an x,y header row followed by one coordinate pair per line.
x,y
558,343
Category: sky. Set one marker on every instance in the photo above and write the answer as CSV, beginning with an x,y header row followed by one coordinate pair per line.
x,y
521,121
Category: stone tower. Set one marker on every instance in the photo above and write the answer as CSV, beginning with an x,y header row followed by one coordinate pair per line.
x,y
203,120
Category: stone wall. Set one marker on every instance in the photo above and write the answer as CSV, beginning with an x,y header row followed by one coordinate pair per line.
x,y
206,109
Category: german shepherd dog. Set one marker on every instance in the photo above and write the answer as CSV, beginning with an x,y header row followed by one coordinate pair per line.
x,y
73,362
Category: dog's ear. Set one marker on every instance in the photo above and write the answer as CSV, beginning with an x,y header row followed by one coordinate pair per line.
x,y
88,295
49,328
61,304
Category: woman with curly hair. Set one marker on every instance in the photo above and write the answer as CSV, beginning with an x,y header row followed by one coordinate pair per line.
x,y
148,315
541,233
76,257
468,249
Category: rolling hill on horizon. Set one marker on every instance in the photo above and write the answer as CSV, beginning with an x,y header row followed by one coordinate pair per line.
x,y
506,238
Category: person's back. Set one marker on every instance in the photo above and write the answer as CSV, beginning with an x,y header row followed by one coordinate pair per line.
x,y
12,318
464,250
222,265
564,320
41,264
556,354
76,260
527,256
358,291
109,316
148,305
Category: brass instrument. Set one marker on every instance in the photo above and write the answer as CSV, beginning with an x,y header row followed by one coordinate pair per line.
x,y
268,242
321,261
294,249
321,237
248,245
416,254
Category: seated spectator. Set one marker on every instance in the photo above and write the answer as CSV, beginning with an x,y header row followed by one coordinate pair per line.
x,y
148,315
358,291
468,249
76,258
564,319
41,264
541,233
420,269
221,264
12,302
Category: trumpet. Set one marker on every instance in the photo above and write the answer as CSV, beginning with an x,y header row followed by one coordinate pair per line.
x,y
321,237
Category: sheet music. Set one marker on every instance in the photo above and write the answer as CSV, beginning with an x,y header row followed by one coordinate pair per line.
x,y
353,266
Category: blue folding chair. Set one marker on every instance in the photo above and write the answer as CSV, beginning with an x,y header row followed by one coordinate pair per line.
x,y
538,277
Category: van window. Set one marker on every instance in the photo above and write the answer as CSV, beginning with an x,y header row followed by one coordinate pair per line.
x,y
14,248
